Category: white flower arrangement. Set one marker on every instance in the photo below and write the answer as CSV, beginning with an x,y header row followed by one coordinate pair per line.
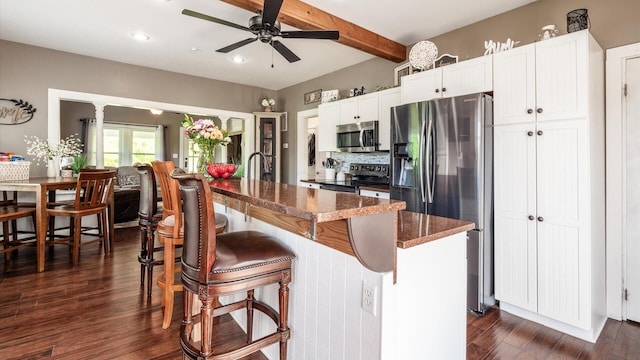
x,y
67,147
268,102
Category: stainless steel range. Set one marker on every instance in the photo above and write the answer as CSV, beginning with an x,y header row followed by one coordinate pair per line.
x,y
361,175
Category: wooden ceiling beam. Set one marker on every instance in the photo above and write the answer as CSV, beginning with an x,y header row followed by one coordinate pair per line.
x,y
306,17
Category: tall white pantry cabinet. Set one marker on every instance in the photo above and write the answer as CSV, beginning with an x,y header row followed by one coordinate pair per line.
x,y
549,183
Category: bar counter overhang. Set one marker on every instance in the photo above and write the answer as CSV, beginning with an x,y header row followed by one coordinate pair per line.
x,y
415,264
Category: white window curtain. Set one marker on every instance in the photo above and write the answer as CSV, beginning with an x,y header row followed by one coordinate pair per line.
x,y
160,143
90,141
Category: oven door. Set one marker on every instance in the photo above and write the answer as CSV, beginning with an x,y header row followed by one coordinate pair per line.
x,y
340,188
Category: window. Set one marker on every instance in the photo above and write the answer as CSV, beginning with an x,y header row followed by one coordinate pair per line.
x,y
129,144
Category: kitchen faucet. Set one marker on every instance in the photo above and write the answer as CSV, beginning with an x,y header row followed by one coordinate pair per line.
x,y
264,160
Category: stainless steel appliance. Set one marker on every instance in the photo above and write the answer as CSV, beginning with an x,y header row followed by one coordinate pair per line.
x,y
360,175
441,164
357,137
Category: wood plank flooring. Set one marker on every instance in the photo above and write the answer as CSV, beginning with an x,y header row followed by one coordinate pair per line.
x,y
97,310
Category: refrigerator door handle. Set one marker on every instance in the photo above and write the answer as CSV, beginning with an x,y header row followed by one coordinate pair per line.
x,y
427,158
432,170
421,161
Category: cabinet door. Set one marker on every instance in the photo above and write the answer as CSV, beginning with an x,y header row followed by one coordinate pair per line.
x,y
564,256
327,120
386,100
514,86
368,107
562,77
421,86
348,111
375,194
467,77
515,202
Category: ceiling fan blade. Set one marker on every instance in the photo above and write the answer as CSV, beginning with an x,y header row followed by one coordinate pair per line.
x,y
284,51
213,19
311,34
234,46
270,12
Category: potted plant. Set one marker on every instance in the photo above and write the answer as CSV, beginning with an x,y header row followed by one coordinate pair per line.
x,y
79,162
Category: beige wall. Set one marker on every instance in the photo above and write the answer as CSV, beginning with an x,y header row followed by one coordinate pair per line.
x,y
27,72
613,23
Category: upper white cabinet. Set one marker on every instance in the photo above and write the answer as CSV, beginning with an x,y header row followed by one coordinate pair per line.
x,y
465,77
328,115
542,81
387,99
549,183
359,108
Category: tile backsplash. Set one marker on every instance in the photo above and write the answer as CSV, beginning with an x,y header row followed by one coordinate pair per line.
x,y
346,159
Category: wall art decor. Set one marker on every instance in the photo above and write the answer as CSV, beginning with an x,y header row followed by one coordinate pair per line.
x,y
445,59
330,95
400,71
313,96
14,112
492,47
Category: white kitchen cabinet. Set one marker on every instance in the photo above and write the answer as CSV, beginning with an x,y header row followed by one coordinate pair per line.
x,y
328,115
375,194
359,108
386,100
543,81
466,77
549,200
309,185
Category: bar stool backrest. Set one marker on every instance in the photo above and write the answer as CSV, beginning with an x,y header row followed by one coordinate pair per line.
x,y
171,200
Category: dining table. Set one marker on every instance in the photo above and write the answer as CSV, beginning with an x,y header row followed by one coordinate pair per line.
x,y
45,191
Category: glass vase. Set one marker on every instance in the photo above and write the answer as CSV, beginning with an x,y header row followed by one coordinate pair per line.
x,y
207,156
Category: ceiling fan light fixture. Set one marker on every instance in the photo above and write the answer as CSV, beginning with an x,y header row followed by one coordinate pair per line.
x,y
140,36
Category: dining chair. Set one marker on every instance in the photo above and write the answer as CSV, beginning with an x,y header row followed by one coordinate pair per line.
x,y
230,263
170,232
10,212
91,198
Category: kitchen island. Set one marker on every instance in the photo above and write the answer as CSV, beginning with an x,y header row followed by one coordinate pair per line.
x,y
370,281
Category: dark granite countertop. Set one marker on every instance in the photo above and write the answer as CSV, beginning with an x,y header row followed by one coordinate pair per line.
x,y
302,202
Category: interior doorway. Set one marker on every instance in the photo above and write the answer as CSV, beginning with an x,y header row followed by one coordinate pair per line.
x,y
632,179
623,176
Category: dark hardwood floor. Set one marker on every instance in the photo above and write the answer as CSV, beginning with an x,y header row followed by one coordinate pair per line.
x,y
97,310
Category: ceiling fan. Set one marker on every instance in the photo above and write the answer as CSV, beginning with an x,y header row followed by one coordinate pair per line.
x,y
266,27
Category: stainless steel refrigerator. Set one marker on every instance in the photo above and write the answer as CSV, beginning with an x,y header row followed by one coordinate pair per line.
x,y
441,164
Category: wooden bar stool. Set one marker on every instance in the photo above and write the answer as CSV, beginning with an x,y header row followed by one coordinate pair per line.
x,y
226,264
171,233
149,214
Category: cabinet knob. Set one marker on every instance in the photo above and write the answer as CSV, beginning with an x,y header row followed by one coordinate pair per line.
x,y
444,89
437,90
531,217
539,132
540,218
529,111
539,110
530,133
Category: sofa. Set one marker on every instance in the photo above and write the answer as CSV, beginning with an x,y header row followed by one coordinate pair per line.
x,y
126,196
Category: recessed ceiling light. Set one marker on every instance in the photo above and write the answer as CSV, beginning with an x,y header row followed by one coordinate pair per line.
x,y
194,49
238,59
140,36
155,111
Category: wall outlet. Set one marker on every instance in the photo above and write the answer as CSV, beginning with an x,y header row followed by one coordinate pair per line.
x,y
175,156
370,298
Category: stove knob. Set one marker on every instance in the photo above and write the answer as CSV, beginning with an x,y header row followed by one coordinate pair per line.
x,y
377,168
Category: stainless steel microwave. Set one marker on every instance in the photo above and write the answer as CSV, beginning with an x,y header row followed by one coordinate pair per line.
x,y
357,137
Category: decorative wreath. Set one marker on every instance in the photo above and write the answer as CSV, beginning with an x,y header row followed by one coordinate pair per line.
x,y
423,54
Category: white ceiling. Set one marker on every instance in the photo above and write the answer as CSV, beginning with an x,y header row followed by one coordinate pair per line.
x,y
101,29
